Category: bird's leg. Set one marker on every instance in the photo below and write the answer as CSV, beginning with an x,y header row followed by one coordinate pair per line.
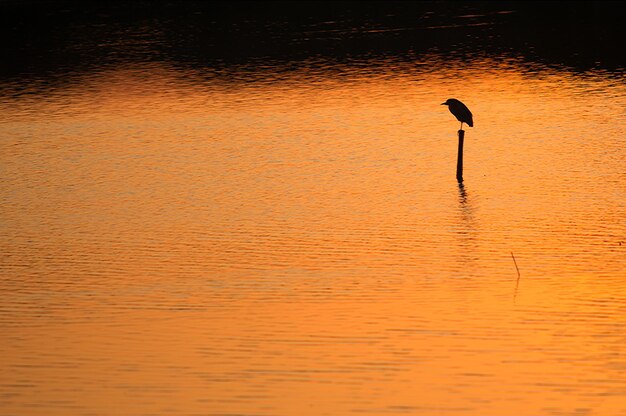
x,y
461,125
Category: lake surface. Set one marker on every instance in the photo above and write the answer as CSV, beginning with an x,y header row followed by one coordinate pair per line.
x,y
240,233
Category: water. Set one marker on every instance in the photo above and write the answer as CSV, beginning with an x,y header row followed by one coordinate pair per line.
x,y
205,231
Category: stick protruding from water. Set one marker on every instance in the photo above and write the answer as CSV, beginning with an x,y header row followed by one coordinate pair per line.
x,y
516,268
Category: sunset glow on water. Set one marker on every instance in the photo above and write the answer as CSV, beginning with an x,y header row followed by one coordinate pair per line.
x,y
276,237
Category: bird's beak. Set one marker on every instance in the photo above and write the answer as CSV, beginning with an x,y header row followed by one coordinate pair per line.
x,y
444,103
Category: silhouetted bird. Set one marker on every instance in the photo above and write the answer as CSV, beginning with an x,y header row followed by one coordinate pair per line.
x,y
460,111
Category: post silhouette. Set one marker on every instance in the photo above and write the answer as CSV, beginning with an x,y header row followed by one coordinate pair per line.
x,y
459,158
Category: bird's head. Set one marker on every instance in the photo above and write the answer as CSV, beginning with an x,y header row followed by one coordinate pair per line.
x,y
448,101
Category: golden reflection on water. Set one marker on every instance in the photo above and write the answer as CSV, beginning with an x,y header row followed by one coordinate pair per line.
x,y
176,242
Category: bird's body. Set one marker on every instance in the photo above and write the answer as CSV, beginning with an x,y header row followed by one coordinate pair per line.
x,y
460,111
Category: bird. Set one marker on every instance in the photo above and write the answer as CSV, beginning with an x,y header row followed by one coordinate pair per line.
x,y
460,111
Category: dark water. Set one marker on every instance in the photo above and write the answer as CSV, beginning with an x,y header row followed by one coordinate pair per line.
x,y
250,208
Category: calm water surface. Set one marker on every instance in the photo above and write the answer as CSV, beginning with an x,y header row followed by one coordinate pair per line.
x,y
276,238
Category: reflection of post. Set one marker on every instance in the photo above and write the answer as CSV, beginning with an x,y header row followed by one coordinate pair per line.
x,y
462,195
459,159
467,233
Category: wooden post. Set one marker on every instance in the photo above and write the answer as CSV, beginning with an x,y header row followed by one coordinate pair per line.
x,y
459,159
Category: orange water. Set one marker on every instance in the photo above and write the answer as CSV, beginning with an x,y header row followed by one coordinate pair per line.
x,y
295,242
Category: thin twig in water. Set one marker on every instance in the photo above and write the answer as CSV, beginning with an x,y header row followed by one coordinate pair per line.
x,y
516,268
518,276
